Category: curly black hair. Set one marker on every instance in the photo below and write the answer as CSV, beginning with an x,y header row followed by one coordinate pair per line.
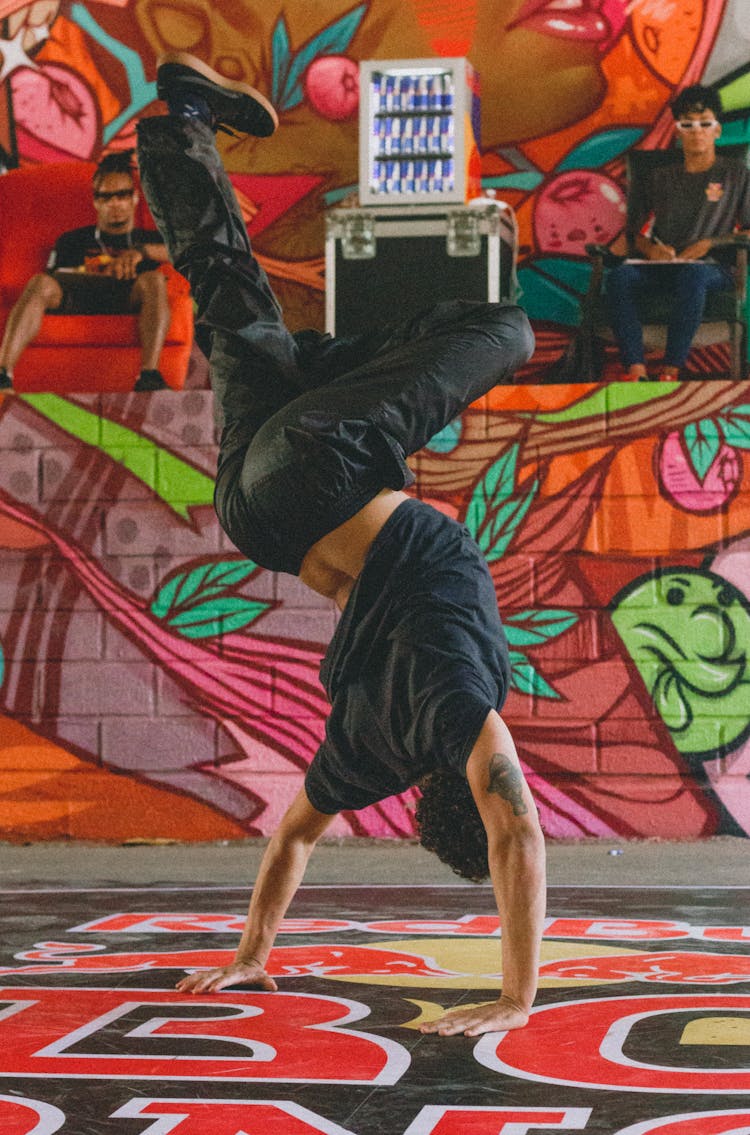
x,y
121,161
696,100
448,823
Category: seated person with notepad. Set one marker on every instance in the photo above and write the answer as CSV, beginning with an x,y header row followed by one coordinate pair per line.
x,y
688,214
108,268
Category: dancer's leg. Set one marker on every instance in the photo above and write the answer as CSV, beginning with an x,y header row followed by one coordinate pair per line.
x,y
318,459
254,359
420,375
326,455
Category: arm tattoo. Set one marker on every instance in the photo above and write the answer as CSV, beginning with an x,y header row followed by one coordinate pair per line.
x,y
506,780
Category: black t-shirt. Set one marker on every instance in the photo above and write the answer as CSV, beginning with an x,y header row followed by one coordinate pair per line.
x,y
417,661
687,207
73,248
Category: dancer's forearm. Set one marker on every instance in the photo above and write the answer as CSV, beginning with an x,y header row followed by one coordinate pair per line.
x,y
517,870
281,872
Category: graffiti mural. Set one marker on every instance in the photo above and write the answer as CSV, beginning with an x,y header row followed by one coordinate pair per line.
x,y
153,684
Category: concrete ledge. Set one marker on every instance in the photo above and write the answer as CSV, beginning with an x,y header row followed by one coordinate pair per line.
x,y
719,862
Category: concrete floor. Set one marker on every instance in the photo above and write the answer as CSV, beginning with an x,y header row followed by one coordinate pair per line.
x,y
720,862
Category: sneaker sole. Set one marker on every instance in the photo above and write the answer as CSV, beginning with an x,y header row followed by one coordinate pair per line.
x,y
234,104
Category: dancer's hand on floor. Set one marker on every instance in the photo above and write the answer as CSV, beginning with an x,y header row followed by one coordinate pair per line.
x,y
496,1016
238,973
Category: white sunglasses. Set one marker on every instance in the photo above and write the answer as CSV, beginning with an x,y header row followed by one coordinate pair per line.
x,y
685,125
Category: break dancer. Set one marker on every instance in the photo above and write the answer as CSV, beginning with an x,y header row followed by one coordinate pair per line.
x,y
310,481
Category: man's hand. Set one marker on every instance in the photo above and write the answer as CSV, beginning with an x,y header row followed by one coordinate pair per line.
x,y
496,1016
696,251
659,251
124,265
238,973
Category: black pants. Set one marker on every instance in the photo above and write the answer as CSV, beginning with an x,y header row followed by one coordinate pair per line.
x,y
314,427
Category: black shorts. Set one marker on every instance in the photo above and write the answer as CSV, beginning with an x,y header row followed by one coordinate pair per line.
x,y
87,294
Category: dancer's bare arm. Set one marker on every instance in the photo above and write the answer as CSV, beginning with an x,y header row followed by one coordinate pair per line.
x,y
281,872
517,869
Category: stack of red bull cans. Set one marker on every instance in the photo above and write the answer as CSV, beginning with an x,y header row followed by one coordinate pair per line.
x,y
413,114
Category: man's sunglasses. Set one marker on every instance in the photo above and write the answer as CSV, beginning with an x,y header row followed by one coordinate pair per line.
x,y
115,195
685,125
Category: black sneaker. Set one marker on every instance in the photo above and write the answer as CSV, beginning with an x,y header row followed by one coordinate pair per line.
x,y
150,380
231,103
6,382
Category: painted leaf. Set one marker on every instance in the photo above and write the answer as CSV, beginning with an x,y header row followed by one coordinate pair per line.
x,y
496,485
525,678
447,439
530,628
494,514
521,179
209,579
735,91
217,616
702,442
736,426
598,149
502,526
551,290
212,579
332,40
281,59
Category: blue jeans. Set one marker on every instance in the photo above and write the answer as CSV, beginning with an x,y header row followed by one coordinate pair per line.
x,y
629,287
314,427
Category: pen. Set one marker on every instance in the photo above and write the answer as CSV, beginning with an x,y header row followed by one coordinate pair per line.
x,y
656,240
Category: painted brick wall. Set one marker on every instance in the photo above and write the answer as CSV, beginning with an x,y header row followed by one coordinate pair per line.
x,y
614,519
151,685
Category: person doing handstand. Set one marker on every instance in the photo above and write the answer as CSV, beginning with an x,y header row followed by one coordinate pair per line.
x,y
310,481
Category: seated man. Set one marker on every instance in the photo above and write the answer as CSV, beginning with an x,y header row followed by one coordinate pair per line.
x,y
688,212
102,269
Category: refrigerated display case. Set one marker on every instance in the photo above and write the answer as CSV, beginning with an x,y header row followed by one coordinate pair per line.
x,y
418,132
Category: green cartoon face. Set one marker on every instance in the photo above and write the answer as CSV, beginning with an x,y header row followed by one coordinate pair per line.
x,y
688,632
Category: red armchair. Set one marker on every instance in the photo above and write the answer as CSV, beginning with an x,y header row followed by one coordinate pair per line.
x,y
76,353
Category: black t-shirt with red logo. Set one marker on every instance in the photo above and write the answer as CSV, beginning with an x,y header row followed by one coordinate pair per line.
x,y
686,207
